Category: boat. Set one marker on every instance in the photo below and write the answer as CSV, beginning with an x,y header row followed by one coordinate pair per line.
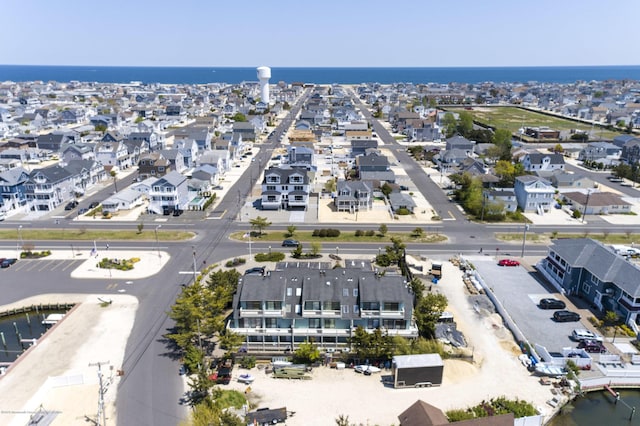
x,y
550,370
525,360
246,378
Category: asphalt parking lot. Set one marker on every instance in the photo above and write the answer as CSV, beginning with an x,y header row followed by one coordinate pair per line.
x,y
519,292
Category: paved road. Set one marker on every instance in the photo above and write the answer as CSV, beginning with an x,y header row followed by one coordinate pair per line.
x,y
151,387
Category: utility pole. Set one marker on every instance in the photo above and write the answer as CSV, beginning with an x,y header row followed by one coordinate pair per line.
x,y
195,270
101,417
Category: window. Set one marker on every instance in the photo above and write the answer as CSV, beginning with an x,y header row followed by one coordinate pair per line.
x,y
298,188
271,322
356,309
586,288
345,309
298,291
311,305
391,306
314,323
274,305
329,323
355,292
253,305
331,306
271,187
345,292
289,291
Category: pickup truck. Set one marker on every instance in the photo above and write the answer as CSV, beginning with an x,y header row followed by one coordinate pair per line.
x,y
265,416
290,373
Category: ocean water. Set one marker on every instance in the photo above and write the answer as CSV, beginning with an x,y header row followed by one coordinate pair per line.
x,y
203,75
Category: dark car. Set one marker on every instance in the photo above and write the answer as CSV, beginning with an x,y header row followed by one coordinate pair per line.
x,y
592,346
290,243
5,263
256,270
550,303
71,205
93,205
566,316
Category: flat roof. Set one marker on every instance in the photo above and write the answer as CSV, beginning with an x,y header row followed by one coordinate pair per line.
x,y
421,360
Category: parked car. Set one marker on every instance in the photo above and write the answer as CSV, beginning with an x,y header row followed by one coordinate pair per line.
x,y
83,210
592,346
508,262
290,243
551,303
255,270
93,205
565,316
580,334
71,205
5,263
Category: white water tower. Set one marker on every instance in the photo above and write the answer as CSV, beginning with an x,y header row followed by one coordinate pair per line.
x,y
264,74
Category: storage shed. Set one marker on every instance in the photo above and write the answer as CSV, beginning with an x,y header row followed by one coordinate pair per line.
x,y
418,371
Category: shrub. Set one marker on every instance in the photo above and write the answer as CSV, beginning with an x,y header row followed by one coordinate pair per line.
x,y
403,212
322,233
333,232
370,233
274,256
359,233
629,332
316,233
576,214
235,262
248,361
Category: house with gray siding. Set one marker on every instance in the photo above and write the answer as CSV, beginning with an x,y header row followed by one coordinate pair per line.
x,y
597,274
533,193
303,301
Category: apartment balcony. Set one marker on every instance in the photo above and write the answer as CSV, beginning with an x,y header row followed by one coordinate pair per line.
x,y
382,314
321,314
260,331
44,190
253,313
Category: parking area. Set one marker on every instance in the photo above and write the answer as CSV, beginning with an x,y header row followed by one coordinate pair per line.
x,y
519,291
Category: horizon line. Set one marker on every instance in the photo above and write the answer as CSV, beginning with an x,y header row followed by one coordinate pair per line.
x,y
324,67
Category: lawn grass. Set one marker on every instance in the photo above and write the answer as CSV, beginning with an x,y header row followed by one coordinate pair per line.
x,y
345,237
512,119
546,238
91,234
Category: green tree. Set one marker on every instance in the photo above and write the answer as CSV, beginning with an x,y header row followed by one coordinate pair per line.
x,y
314,248
417,287
239,117
465,123
140,227
558,149
427,312
330,185
230,341
417,232
383,229
449,124
291,230
502,139
386,189
307,353
100,128
296,253
259,223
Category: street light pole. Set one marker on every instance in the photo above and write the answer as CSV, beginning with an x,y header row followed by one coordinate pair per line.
x,y
157,242
586,204
524,239
193,248
18,241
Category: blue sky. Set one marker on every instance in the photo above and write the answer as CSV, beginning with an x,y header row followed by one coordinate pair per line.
x,y
345,33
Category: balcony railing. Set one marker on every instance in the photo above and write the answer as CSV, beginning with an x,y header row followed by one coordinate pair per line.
x,y
247,313
315,314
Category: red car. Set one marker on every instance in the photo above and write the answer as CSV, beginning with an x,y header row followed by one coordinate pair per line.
x,y
509,262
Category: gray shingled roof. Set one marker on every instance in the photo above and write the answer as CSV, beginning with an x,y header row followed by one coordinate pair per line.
x,y
601,261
